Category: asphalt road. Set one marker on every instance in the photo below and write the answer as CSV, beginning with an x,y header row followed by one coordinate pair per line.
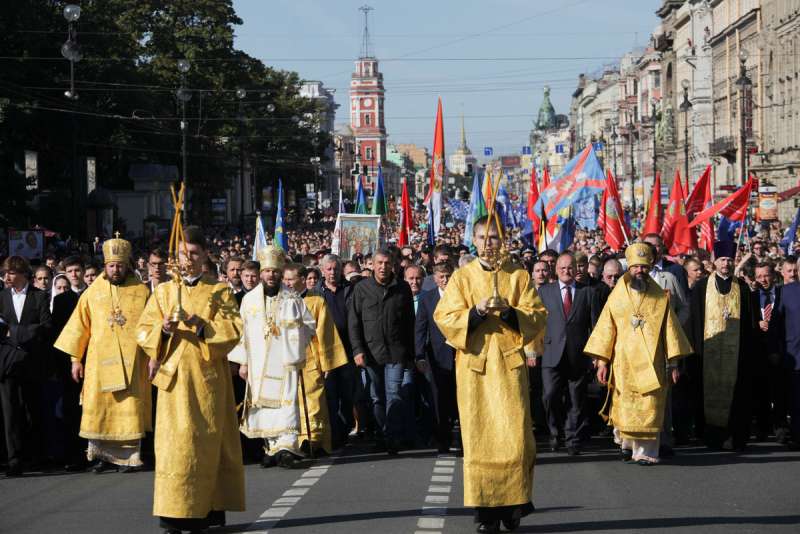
x,y
420,491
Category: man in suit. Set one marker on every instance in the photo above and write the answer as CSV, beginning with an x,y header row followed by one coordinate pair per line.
x,y
63,306
662,264
564,366
434,354
25,320
788,314
770,383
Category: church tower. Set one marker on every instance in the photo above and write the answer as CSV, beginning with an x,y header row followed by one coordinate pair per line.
x,y
366,108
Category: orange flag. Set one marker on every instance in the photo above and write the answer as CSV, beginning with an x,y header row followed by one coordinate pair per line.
x,y
652,223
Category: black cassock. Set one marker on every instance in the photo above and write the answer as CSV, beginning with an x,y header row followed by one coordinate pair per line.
x,y
741,405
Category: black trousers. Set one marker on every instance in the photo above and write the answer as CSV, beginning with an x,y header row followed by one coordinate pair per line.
x,y
213,519
537,404
771,398
341,387
794,403
447,403
14,421
75,446
570,416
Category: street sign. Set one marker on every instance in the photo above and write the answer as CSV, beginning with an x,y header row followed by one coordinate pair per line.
x,y
598,146
526,150
488,151
559,148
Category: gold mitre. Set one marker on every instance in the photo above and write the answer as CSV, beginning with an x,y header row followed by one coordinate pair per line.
x,y
116,250
639,254
271,257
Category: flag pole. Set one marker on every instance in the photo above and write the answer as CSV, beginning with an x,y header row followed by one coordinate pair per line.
x,y
305,412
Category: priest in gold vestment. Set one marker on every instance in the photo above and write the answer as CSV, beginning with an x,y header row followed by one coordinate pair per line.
x,y
639,337
199,473
324,354
492,380
116,391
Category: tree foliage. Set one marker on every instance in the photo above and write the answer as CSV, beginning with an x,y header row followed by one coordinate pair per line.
x,y
127,110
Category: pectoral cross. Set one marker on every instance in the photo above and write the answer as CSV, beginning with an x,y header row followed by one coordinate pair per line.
x,y
726,313
637,321
117,318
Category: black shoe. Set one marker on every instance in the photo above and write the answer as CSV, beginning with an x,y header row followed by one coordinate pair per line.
x,y
511,524
76,467
665,451
268,461
102,466
287,460
645,463
393,447
130,469
782,435
626,455
554,445
573,451
172,531
14,470
490,527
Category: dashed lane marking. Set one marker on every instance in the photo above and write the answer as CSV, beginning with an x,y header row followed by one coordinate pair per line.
x,y
434,511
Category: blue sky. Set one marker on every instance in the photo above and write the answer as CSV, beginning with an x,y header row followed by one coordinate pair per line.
x,y
483,58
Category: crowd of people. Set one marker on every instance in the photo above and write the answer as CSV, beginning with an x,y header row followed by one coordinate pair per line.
x,y
727,366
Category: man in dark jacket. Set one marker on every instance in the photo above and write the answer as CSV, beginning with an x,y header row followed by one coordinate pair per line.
x,y
381,329
434,352
24,324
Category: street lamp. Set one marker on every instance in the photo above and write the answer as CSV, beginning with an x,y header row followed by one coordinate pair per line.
x,y
614,147
686,105
744,83
70,49
654,121
633,170
240,95
317,193
184,95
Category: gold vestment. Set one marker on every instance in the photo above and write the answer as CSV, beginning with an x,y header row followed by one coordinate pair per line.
x,y
637,333
492,383
116,392
198,453
720,351
325,353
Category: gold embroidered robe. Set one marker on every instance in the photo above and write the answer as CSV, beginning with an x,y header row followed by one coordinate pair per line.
x,y
638,355
325,353
116,392
492,383
198,453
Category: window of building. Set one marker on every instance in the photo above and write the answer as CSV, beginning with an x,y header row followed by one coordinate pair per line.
x,y
368,153
367,119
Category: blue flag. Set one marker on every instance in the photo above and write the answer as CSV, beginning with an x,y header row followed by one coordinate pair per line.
x,y
726,231
791,235
504,209
582,178
431,240
477,209
361,198
281,240
379,206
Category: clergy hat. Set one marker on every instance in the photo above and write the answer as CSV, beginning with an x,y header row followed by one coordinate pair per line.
x,y
116,250
724,249
271,257
639,254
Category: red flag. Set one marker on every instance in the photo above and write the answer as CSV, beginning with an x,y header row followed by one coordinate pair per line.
x,y
699,200
733,207
546,178
533,196
611,215
552,224
406,218
676,232
652,223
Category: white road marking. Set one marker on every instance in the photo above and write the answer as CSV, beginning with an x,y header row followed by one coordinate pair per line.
x,y
432,518
283,505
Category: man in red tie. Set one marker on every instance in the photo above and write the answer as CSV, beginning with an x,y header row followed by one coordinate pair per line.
x,y
564,366
770,384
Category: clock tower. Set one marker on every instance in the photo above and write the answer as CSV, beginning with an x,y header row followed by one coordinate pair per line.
x,y
366,109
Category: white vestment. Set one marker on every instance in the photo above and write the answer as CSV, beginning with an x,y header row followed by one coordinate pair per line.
x,y
276,333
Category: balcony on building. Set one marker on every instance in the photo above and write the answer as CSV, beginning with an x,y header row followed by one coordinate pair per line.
x,y
723,146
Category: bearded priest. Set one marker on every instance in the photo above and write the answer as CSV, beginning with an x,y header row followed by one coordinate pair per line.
x,y
277,331
116,390
637,342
